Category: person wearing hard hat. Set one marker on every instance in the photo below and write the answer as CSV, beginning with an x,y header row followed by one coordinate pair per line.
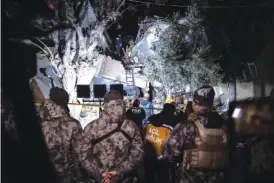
x,y
185,104
181,113
147,106
169,99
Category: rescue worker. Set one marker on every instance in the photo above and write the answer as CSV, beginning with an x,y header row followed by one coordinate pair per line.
x,y
60,97
200,143
137,114
62,134
116,141
148,107
188,112
118,44
184,112
157,129
169,99
185,104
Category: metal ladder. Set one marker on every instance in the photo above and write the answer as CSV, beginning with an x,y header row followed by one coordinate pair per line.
x,y
130,77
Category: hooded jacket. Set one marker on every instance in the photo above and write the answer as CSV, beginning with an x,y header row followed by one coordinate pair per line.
x,y
165,117
62,134
159,126
183,137
121,151
137,114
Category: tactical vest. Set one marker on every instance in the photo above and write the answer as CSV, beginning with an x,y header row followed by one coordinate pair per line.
x,y
157,136
210,152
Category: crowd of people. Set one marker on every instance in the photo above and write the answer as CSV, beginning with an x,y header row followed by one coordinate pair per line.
x,y
120,147
134,145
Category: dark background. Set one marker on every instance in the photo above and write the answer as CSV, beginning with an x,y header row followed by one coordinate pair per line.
x,y
238,30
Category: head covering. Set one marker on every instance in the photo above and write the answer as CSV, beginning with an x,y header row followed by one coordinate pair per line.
x,y
112,95
146,96
169,109
136,103
169,99
204,96
60,97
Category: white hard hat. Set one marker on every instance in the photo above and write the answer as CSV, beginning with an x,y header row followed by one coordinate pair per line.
x,y
146,95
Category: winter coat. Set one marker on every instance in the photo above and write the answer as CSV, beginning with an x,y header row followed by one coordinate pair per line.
x,y
121,151
163,118
183,137
62,134
147,105
157,129
137,115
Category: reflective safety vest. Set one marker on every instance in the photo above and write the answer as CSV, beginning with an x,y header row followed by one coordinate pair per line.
x,y
210,152
157,136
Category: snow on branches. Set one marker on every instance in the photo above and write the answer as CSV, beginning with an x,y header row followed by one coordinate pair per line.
x,y
107,10
78,31
175,52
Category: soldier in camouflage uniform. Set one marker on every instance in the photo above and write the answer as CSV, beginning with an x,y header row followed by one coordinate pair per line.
x,y
62,134
116,141
60,97
199,144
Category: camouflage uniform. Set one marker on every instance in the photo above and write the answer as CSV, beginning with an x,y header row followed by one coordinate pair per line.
x,y
122,151
183,137
62,134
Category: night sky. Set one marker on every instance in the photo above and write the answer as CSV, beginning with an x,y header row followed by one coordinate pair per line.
x,y
238,34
